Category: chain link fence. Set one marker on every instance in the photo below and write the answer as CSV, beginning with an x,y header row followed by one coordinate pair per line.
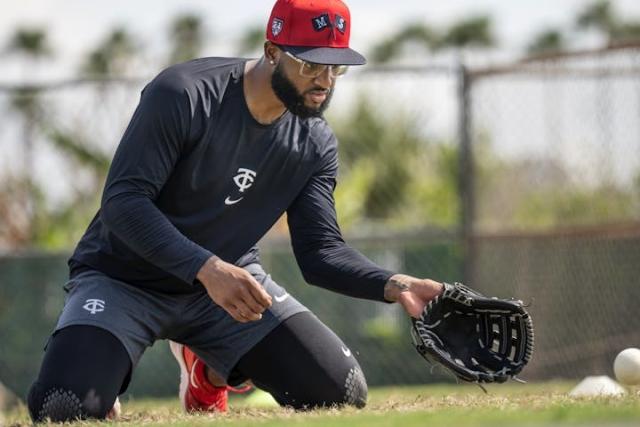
x,y
523,180
557,141
557,191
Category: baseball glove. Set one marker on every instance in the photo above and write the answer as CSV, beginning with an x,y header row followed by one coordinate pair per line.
x,y
478,339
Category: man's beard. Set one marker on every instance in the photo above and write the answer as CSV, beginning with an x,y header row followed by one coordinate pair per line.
x,y
292,99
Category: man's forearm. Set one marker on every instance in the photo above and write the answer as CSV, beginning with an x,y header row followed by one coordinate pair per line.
x,y
412,293
342,269
396,284
139,224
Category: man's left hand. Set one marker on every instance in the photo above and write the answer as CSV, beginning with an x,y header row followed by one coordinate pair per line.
x,y
412,293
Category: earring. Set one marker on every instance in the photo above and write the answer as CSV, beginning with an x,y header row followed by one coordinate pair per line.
x,y
271,62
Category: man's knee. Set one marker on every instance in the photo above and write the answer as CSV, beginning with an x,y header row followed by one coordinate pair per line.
x,y
352,391
58,404
83,370
355,388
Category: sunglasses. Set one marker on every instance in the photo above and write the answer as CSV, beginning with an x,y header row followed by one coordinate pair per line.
x,y
312,70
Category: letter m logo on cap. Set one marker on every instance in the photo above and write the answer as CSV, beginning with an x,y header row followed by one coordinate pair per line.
x,y
321,22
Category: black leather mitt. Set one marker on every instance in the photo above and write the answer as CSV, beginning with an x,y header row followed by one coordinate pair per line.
x,y
479,339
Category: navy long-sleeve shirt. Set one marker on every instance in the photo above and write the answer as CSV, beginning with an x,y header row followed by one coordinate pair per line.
x,y
196,175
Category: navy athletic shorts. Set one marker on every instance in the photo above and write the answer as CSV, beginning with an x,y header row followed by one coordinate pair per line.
x,y
138,317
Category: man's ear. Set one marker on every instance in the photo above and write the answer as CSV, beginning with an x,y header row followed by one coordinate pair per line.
x,y
271,52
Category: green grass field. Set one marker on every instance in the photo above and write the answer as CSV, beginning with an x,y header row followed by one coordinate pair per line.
x,y
543,404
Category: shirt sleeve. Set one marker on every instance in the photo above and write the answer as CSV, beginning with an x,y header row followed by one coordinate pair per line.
x,y
322,254
149,149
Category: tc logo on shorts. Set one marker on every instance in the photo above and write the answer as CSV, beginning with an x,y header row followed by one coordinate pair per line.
x,y
94,306
244,179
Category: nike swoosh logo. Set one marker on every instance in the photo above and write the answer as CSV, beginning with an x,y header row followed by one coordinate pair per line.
x,y
346,351
192,376
282,297
229,201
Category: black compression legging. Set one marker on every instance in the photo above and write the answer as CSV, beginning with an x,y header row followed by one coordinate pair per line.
x,y
302,363
83,370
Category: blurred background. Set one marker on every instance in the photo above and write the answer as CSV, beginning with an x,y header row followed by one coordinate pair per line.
x,y
490,141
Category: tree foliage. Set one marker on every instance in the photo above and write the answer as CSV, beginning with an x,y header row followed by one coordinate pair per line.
x,y
476,31
547,41
252,40
417,34
602,16
113,56
390,174
599,15
31,42
186,37
31,221
539,193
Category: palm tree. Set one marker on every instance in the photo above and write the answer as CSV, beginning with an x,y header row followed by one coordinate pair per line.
x,y
476,31
391,48
470,32
602,17
113,55
187,38
548,41
30,44
252,40
598,15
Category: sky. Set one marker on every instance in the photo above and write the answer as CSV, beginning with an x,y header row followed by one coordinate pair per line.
x,y
74,26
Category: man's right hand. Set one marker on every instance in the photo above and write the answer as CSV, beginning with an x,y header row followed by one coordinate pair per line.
x,y
234,289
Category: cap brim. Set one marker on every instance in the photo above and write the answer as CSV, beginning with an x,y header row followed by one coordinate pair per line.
x,y
326,55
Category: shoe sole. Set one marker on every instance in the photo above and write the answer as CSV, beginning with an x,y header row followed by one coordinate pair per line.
x,y
176,349
115,411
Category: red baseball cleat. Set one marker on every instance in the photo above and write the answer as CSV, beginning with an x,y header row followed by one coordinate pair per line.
x,y
196,393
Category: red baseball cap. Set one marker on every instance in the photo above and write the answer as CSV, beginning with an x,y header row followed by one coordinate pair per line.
x,y
314,30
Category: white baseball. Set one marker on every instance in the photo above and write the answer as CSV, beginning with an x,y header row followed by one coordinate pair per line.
x,y
627,366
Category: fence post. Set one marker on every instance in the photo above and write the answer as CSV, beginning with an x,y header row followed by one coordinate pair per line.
x,y
466,179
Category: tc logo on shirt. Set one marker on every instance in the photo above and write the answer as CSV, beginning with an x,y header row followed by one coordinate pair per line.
x,y
244,180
